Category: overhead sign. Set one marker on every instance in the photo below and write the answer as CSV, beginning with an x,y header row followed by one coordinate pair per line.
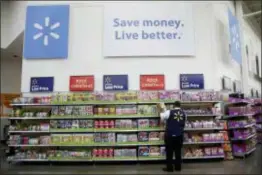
x,y
152,82
41,84
169,32
115,82
46,32
81,83
234,31
191,81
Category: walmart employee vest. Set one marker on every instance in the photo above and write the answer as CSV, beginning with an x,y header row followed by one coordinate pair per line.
x,y
175,123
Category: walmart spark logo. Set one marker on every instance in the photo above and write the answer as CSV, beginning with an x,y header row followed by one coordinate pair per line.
x,y
178,116
49,32
46,32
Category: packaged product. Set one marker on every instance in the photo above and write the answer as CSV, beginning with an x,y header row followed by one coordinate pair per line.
x,y
154,136
214,151
143,123
207,151
143,151
220,151
56,138
162,136
143,136
154,123
67,138
148,95
77,139
162,151
154,151
126,96
147,109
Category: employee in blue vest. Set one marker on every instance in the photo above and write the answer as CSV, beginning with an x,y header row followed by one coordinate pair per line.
x,y
175,123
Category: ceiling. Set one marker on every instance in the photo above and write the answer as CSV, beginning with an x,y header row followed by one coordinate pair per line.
x,y
251,7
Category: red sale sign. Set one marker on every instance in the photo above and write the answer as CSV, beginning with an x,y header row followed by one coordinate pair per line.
x,y
81,83
152,82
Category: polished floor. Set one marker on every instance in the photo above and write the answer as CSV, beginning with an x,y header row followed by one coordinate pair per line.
x,y
250,165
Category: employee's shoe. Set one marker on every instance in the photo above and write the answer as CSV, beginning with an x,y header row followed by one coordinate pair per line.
x,y
168,170
177,169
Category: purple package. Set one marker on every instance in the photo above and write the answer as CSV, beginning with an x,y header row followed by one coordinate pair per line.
x,y
238,148
164,95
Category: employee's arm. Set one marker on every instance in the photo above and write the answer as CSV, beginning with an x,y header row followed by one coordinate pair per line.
x,y
164,115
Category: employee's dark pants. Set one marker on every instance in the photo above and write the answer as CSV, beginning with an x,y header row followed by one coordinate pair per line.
x,y
173,144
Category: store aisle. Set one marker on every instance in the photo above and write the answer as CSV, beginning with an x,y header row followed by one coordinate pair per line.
x,y
250,165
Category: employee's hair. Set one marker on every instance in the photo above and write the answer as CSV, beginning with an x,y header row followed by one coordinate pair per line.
x,y
177,104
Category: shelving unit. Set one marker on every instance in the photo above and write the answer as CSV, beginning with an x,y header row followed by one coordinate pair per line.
x,y
241,126
92,145
257,107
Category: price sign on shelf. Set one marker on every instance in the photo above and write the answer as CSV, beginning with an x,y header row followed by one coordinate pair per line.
x,y
42,84
115,82
191,81
81,83
152,82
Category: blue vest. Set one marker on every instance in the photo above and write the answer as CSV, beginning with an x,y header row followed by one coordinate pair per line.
x,y
175,123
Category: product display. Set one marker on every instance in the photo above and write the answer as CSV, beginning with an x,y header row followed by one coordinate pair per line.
x,y
108,126
204,124
69,155
241,126
29,127
71,124
203,152
212,137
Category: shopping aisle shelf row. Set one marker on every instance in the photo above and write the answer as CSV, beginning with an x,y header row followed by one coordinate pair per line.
x,y
113,130
117,144
111,159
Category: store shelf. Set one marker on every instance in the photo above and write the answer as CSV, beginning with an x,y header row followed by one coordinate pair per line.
x,y
115,159
29,145
236,116
28,132
29,118
115,130
202,129
245,153
247,126
252,135
71,130
70,160
206,157
112,103
148,158
200,143
124,116
26,160
203,115
116,144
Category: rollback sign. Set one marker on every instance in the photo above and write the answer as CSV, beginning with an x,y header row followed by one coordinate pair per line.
x,y
115,82
152,82
41,84
81,83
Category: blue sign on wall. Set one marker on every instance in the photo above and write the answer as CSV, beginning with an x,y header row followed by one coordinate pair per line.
x,y
46,32
191,81
235,48
41,84
115,82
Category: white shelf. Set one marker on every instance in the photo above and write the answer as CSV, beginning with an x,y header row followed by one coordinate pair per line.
x,y
202,129
245,153
246,126
252,135
29,132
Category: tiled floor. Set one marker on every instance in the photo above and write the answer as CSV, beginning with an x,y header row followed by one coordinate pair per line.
x,y
251,165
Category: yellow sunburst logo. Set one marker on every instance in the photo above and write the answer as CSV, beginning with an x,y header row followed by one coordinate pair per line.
x,y
178,116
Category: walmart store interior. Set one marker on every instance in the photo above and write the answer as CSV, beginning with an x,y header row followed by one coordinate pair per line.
x,y
81,82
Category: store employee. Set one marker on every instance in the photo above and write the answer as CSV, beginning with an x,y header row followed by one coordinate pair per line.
x,y
175,123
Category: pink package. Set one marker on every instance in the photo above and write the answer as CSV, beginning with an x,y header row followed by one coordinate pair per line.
x,y
147,95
